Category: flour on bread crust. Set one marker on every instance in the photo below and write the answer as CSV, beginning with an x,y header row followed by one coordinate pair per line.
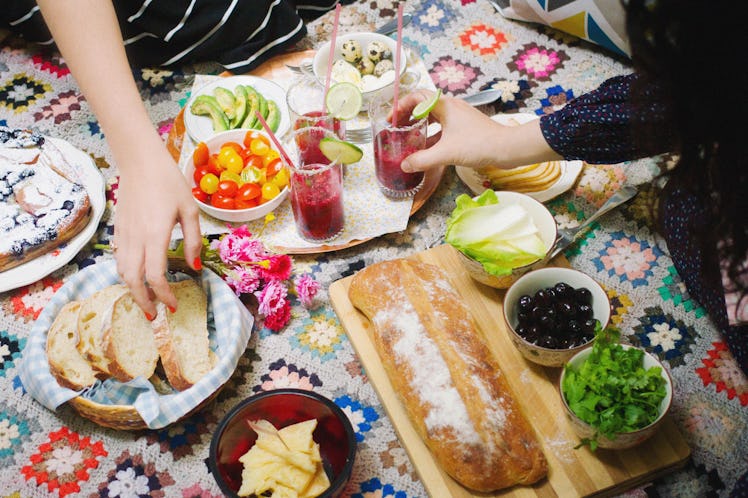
x,y
451,386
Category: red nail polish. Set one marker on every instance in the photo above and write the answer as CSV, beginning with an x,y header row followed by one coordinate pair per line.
x,y
197,264
172,309
149,317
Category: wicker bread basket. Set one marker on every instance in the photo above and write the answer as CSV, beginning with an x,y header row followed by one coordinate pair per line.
x,y
123,417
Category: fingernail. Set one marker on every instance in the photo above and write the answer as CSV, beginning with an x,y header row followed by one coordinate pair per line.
x,y
405,166
172,309
197,264
149,317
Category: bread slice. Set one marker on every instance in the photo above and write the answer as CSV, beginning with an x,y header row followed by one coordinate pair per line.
x,y
128,341
182,336
65,361
91,316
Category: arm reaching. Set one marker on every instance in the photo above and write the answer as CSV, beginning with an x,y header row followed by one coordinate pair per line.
x,y
470,138
153,195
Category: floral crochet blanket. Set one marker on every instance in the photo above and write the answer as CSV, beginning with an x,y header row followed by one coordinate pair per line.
x,y
465,45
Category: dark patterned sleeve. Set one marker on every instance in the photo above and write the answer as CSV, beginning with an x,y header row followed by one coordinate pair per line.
x,y
598,127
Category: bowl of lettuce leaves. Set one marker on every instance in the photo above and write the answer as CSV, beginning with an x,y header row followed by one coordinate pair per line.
x,y
615,395
500,235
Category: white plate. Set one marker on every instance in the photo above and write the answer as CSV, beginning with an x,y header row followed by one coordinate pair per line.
x,y
40,267
569,169
200,128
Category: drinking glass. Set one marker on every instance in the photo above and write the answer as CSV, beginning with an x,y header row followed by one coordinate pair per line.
x,y
306,103
392,144
316,189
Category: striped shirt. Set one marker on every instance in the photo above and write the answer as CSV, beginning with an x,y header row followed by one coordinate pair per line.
x,y
238,34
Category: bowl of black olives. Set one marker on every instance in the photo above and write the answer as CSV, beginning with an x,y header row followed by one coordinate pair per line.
x,y
552,314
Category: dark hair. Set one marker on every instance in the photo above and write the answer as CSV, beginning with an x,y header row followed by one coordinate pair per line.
x,y
694,51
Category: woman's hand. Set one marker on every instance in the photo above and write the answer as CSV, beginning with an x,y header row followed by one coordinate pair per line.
x,y
151,199
470,138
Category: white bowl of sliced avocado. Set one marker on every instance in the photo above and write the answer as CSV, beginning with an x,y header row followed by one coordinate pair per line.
x,y
233,103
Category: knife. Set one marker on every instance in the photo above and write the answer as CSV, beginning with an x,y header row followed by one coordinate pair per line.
x,y
391,26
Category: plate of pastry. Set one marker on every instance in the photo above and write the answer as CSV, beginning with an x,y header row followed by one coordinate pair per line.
x,y
51,201
542,181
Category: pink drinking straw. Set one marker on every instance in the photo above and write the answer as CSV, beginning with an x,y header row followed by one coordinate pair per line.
x,y
333,37
274,138
398,48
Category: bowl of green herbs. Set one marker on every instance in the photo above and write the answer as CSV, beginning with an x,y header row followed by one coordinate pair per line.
x,y
615,395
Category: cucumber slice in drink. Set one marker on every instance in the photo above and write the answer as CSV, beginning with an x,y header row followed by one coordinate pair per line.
x,y
423,108
344,101
339,150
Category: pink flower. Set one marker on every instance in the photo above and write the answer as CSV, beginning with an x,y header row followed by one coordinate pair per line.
x,y
277,320
272,297
237,245
279,267
243,280
306,289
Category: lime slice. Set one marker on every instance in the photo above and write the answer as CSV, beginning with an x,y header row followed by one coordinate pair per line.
x,y
335,149
423,108
344,101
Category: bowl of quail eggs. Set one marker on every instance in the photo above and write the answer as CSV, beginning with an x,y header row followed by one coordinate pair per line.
x,y
365,59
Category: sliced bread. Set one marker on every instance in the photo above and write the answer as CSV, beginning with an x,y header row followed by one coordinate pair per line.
x,y
93,311
128,341
66,363
182,336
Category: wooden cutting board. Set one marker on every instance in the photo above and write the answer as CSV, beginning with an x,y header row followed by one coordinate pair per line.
x,y
572,472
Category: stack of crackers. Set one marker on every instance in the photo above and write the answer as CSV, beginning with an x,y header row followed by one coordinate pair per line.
x,y
530,178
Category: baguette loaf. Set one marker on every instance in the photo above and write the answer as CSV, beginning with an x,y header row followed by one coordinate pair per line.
x,y
182,336
446,378
65,361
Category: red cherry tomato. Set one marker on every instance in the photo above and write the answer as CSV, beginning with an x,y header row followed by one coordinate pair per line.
x,y
199,173
240,204
201,154
274,167
227,188
253,160
201,196
248,192
214,165
222,202
254,134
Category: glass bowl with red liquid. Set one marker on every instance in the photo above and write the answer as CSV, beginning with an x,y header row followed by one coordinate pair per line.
x,y
283,407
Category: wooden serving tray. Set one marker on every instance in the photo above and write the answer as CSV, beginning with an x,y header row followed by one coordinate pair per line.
x,y
572,472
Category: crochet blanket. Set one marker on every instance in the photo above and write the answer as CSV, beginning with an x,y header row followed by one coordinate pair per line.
x,y
466,45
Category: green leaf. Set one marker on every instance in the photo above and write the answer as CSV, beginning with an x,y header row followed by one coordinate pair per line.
x,y
611,390
499,236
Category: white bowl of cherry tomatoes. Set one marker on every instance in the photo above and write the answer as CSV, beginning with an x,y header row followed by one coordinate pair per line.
x,y
237,175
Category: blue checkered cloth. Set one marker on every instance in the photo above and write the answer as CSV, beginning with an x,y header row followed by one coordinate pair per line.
x,y
229,334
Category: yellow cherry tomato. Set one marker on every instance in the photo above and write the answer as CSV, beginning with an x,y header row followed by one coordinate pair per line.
x,y
230,159
209,183
259,147
271,154
270,191
229,175
250,174
281,178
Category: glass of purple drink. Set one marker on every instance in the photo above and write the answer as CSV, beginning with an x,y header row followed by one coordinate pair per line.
x,y
392,143
316,189
306,103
